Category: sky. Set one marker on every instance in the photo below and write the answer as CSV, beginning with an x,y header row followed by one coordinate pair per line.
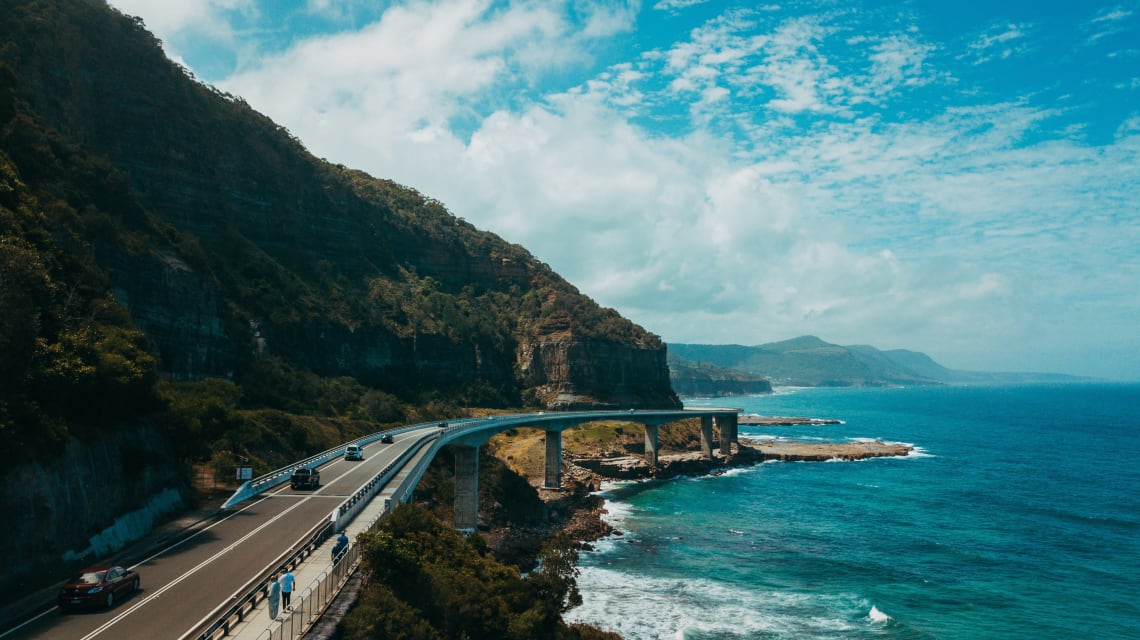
x,y
956,178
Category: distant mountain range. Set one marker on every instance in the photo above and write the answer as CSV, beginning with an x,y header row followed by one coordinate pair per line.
x,y
808,361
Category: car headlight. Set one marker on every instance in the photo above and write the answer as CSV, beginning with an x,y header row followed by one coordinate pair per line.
x,y
95,589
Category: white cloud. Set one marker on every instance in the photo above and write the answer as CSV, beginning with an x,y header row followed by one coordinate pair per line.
x,y
787,198
1107,23
674,5
1001,41
172,17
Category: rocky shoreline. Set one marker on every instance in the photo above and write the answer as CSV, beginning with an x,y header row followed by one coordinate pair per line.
x,y
576,511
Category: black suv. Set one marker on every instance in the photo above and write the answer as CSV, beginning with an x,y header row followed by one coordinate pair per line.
x,y
305,478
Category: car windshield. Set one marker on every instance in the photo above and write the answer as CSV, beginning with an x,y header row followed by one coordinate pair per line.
x,y
90,577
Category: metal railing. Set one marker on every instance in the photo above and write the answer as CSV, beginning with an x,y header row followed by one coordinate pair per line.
x,y
351,506
247,604
262,483
315,598
310,603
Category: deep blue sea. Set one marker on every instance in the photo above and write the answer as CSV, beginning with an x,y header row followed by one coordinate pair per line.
x,y
1018,517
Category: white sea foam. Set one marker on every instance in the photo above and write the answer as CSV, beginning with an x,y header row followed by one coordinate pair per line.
x,y
877,616
643,608
919,452
759,436
617,512
787,391
727,473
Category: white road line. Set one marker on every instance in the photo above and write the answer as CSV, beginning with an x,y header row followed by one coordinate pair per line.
x,y
151,596
189,573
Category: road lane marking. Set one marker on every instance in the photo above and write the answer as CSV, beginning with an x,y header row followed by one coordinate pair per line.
x,y
150,596
191,571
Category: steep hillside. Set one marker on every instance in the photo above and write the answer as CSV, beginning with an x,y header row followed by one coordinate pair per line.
x,y
183,285
228,242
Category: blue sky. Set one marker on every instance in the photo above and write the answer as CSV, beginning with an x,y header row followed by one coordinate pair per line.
x,y
961,179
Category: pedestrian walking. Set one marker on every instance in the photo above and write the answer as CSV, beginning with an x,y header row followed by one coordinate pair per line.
x,y
341,547
274,596
287,582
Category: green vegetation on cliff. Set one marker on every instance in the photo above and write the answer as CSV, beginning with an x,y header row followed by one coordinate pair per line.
x,y
428,582
171,256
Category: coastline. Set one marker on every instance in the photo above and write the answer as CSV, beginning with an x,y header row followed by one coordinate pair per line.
x,y
577,510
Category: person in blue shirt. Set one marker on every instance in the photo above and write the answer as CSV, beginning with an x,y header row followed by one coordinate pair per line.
x,y
340,547
287,584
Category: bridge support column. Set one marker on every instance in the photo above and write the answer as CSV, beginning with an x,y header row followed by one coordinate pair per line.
x,y
706,437
725,436
651,445
553,460
466,488
733,428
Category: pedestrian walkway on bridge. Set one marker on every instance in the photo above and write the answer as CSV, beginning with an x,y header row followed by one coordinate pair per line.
x,y
317,580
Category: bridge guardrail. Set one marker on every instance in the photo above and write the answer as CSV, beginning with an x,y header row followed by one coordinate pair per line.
x,y
349,508
320,593
245,605
312,602
262,483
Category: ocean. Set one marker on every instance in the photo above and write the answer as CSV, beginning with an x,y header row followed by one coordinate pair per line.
x,y
1018,516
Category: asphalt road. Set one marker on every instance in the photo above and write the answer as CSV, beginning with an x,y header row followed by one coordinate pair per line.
x,y
192,581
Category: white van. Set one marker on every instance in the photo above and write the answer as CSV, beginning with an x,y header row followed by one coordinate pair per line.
x,y
353,452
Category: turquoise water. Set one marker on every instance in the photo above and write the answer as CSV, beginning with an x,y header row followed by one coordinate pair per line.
x,y
1018,517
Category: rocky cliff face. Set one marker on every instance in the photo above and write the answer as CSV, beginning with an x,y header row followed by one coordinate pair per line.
x,y
232,242
84,504
569,374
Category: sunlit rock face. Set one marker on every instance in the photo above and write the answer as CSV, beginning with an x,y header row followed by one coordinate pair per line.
x,y
569,373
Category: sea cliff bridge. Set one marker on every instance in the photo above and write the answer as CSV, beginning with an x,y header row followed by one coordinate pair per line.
x,y
468,434
211,581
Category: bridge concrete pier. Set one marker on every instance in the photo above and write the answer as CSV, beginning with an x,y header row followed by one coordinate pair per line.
x,y
706,437
728,432
467,480
466,487
733,427
553,470
651,444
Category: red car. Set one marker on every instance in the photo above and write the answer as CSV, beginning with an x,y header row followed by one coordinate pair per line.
x,y
98,586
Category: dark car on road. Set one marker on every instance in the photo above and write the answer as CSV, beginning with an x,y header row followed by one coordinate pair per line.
x,y
305,478
98,586
386,438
